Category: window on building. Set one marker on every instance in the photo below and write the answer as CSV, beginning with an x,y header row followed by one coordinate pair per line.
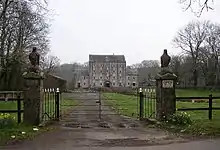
x,y
100,83
128,83
128,78
120,84
94,77
133,84
84,77
113,83
120,71
114,77
84,83
101,77
133,78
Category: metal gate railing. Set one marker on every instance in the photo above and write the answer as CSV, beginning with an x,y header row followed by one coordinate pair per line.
x,y
51,104
147,102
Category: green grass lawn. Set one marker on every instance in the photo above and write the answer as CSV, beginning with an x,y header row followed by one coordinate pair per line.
x,y
129,105
6,133
196,93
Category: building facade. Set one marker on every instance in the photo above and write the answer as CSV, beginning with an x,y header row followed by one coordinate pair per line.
x,y
82,79
107,71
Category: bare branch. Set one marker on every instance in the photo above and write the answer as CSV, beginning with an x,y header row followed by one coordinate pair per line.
x,y
190,4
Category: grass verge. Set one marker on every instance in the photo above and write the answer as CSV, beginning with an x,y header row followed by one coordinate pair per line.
x,y
21,131
128,105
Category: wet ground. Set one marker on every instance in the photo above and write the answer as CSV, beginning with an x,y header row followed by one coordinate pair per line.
x,y
83,128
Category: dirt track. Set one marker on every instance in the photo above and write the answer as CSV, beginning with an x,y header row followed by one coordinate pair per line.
x,y
83,128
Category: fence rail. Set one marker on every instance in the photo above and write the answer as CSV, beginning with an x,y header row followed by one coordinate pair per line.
x,y
19,100
50,104
210,107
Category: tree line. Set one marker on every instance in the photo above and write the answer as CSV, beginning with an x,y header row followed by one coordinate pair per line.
x,y
23,24
198,63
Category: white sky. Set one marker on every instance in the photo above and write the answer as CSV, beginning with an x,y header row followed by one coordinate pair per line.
x,y
138,29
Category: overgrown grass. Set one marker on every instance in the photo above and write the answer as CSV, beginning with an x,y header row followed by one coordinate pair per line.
x,y
7,134
128,105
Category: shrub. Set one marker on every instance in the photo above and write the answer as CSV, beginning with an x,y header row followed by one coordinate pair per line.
x,y
7,121
180,119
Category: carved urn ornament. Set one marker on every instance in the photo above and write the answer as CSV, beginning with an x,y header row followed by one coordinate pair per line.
x,y
165,59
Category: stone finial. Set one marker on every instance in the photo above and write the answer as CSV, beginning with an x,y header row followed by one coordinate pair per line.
x,y
34,58
165,59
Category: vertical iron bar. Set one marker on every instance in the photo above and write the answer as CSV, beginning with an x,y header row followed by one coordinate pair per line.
x,y
42,104
145,103
49,104
60,104
151,98
137,101
210,107
45,100
57,104
148,103
54,104
19,107
141,105
100,106
154,100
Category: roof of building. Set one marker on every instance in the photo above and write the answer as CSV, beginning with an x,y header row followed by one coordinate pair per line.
x,y
107,58
55,76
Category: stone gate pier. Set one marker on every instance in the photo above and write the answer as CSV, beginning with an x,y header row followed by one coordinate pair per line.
x,y
165,89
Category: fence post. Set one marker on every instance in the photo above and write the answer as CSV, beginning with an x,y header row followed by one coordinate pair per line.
x,y
19,107
57,104
141,104
210,107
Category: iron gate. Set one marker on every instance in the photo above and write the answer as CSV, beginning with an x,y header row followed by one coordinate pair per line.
x,y
51,104
147,102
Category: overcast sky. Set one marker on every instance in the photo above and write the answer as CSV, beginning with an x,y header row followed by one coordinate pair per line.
x,y
138,29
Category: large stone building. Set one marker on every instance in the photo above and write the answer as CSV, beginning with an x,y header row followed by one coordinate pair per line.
x,y
107,71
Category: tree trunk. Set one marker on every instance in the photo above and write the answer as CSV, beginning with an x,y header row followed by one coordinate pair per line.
x,y
195,78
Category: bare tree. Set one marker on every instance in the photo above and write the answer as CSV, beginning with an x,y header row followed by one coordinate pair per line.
x,y
190,40
22,25
50,63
